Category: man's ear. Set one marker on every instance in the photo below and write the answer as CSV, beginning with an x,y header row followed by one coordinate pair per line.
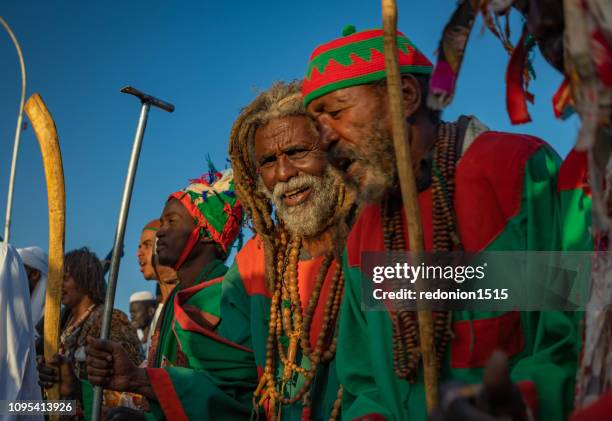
x,y
36,275
411,93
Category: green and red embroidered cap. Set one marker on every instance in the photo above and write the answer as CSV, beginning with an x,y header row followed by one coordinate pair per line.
x,y
217,212
357,58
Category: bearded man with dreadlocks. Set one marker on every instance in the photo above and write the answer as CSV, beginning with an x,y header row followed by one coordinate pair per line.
x,y
197,228
479,190
282,296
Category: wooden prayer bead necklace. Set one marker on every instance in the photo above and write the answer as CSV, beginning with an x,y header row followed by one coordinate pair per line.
x,y
406,348
289,326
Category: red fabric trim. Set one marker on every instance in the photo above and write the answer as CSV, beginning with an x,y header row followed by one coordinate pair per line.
x,y
574,172
371,417
208,320
166,394
600,410
191,242
307,273
188,324
251,267
367,234
530,395
516,97
475,340
489,182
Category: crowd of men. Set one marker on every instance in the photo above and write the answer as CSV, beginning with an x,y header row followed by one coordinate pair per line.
x,y
281,332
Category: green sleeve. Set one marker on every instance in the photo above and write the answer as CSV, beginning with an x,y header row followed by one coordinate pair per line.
x,y
360,394
195,395
222,375
87,398
552,364
235,309
554,337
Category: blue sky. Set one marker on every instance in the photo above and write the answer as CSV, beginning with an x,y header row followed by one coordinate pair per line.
x,y
209,59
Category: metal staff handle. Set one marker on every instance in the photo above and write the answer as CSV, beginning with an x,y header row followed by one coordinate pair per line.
x,y
109,301
9,200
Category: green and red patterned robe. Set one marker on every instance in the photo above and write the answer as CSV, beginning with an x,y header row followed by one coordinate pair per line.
x,y
508,196
224,367
245,310
192,370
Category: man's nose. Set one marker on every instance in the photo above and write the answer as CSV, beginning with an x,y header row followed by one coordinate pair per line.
x,y
285,169
328,135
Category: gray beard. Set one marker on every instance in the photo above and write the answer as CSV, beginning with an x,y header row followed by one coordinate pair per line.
x,y
312,216
379,169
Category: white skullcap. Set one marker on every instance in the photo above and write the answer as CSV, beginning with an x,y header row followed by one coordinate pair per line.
x,y
142,296
35,257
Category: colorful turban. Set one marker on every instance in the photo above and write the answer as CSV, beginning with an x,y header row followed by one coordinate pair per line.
x,y
217,212
357,58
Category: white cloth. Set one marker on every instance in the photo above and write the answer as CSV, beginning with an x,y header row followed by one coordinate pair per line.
x,y
158,312
17,352
36,258
140,334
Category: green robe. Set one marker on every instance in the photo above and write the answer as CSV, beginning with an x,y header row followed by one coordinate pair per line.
x,y
232,360
507,198
189,355
245,310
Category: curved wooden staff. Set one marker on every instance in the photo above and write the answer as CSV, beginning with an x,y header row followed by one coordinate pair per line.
x,y
45,131
409,191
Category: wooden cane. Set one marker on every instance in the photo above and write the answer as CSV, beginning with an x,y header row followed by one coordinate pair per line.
x,y
407,180
46,133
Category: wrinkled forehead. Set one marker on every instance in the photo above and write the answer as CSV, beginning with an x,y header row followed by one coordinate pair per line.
x,y
283,131
344,97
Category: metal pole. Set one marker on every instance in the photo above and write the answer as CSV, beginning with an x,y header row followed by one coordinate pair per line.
x,y
118,246
9,201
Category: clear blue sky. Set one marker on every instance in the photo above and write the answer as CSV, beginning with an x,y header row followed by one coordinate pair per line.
x,y
209,59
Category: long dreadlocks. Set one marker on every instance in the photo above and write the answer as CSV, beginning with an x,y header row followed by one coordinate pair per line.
x,y
281,100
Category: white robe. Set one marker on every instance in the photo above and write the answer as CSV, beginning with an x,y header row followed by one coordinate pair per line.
x,y
36,258
19,378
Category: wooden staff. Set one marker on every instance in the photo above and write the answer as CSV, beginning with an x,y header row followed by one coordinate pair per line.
x,y
46,133
401,142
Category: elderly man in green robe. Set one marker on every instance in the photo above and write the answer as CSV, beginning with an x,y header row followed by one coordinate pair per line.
x,y
287,271
479,190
